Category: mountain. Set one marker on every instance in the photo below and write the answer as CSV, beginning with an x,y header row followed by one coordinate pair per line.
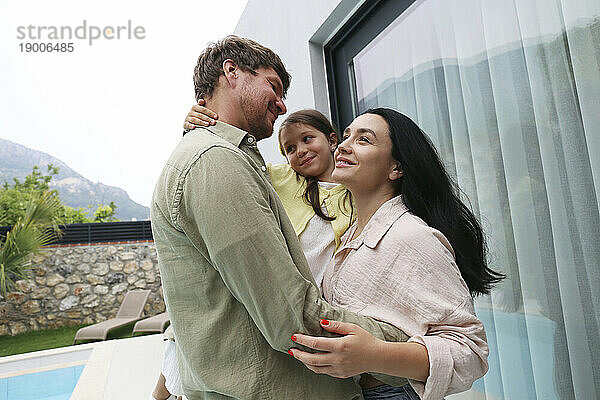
x,y
16,161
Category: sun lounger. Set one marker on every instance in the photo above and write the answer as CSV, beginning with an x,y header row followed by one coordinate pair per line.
x,y
131,310
157,324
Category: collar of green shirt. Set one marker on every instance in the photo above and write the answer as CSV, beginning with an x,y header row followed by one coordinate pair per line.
x,y
232,134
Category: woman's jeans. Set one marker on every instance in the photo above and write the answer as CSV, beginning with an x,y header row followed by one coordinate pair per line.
x,y
388,392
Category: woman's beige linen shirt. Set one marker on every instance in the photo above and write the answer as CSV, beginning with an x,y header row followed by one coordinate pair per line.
x,y
401,271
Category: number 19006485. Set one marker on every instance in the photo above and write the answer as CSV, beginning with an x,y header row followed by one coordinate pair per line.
x,y
46,47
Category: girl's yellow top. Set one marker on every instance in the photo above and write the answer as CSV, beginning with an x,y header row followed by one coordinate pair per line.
x,y
290,187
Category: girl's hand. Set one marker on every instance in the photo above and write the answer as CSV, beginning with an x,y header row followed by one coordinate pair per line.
x,y
353,354
200,116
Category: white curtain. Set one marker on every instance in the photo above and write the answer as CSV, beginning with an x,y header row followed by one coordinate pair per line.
x,y
509,92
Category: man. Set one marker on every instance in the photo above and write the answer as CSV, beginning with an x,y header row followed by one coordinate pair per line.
x,y
234,277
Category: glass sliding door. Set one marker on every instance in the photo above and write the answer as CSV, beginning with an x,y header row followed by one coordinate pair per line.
x,y
509,92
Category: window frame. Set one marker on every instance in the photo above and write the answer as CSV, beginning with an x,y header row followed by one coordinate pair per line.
x,y
369,21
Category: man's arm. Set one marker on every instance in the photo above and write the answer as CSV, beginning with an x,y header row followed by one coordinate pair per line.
x,y
225,211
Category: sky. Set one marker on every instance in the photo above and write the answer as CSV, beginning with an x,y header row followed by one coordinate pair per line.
x,y
112,110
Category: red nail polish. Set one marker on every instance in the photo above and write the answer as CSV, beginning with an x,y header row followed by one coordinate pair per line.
x,y
293,338
290,353
325,322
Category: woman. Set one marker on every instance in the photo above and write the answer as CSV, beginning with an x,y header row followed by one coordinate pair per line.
x,y
414,258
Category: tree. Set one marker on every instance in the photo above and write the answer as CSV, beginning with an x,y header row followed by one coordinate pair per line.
x,y
15,197
29,233
70,215
105,213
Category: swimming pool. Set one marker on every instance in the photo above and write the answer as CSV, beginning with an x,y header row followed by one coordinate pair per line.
x,y
56,384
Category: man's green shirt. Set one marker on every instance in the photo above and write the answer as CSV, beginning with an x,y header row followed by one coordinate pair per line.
x,y
235,280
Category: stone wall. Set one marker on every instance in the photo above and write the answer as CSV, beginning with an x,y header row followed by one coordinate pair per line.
x,y
81,285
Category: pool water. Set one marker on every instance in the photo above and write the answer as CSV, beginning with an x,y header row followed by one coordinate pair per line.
x,y
56,384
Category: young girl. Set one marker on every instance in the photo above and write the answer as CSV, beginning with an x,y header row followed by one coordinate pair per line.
x,y
319,209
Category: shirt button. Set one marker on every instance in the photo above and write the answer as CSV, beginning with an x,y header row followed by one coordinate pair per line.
x,y
263,168
250,139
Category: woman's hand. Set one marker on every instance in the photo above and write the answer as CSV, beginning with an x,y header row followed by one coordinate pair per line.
x,y
358,352
200,116
353,354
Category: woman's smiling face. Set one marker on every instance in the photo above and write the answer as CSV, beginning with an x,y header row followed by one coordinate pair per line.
x,y
363,161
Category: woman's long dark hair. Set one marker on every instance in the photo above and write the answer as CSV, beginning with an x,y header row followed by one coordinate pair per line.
x,y
320,122
432,195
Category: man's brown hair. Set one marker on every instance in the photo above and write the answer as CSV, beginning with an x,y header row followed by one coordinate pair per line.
x,y
246,53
